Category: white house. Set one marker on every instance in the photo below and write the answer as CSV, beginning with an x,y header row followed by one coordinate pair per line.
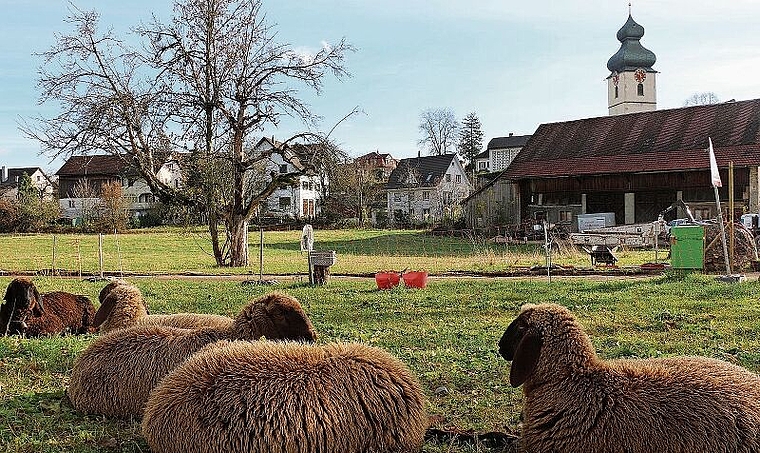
x,y
303,198
499,153
427,189
10,177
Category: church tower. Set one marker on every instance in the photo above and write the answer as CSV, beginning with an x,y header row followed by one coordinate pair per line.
x,y
631,84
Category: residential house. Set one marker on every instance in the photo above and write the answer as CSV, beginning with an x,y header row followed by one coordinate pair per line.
x,y
9,180
380,165
499,153
427,189
303,198
81,180
374,171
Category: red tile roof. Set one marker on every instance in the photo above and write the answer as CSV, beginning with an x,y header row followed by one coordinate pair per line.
x,y
657,141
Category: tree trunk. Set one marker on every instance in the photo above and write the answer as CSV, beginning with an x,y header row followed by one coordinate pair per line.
x,y
213,228
237,235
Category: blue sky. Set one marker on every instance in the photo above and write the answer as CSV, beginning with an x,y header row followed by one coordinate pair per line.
x,y
516,64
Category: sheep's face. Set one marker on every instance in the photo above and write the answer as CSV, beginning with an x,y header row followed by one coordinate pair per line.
x,y
275,317
22,301
521,344
545,326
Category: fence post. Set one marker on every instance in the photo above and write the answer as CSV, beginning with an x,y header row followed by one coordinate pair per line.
x,y
54,246
100,253
261,253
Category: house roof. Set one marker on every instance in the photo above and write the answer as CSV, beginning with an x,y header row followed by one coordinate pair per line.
x,y
14,173
656,141
483,154
99,164
512,141
427,170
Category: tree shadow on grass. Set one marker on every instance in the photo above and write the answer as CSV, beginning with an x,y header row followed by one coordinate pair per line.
x,y
402,244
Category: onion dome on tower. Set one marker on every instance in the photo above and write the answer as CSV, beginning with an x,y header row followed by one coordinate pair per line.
x,y
632,55
631,85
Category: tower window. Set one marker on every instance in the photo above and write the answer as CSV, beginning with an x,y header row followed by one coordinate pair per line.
x,y
616,92
640,89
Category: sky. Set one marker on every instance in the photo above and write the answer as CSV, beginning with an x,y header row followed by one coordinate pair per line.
x,y
516,64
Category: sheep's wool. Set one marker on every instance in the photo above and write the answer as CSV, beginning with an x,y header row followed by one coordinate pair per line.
x,y
287,397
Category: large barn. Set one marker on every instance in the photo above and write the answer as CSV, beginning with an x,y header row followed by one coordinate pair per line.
x,y
638,164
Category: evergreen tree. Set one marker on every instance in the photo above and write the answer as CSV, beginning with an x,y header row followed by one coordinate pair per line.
x,y
470,137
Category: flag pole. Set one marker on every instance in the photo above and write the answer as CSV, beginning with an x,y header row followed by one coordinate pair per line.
x,y
717,183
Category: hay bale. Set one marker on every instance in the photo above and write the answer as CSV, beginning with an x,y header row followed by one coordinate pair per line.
x,y
745,250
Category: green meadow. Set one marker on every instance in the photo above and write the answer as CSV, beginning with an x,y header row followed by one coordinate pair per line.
x,y
175,250
446,334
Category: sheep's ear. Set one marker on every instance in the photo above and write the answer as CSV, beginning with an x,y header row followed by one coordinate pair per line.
x,y
104,310
526,358
34,297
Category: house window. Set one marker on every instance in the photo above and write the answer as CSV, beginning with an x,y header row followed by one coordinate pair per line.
x,y
448,177
411,196
397,196
145,198
640,89
447,197
411,212
39,178
426,195
305,185
459,178
176,183
284,168
565,216
482,165
72,204
284,202
426,212
616,92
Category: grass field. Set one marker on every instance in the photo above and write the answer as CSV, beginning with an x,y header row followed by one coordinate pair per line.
x,y
446,334
359,252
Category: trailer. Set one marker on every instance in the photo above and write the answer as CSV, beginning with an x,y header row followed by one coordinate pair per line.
x,y
638,235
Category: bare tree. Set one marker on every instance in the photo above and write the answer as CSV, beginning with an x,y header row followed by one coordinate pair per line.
x,y
206,81
705,98
439,129
113,207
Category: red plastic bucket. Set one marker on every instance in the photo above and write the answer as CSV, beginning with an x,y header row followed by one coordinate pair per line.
x,y
415,279
387,280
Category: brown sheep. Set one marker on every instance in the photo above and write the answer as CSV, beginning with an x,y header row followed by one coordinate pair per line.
x,y
574,401
27,312
122,305
282,397
115,374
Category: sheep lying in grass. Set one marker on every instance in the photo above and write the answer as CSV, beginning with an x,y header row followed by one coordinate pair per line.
x,y
574,401
27,312
122,305
115,374
285,397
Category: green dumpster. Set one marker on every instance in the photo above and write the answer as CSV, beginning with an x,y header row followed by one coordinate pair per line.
x,y
687,247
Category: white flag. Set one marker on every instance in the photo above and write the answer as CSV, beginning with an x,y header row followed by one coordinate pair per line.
x,y
714,167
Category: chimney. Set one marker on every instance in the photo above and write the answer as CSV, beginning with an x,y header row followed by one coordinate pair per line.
x,y
418,155
5,173
511,134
